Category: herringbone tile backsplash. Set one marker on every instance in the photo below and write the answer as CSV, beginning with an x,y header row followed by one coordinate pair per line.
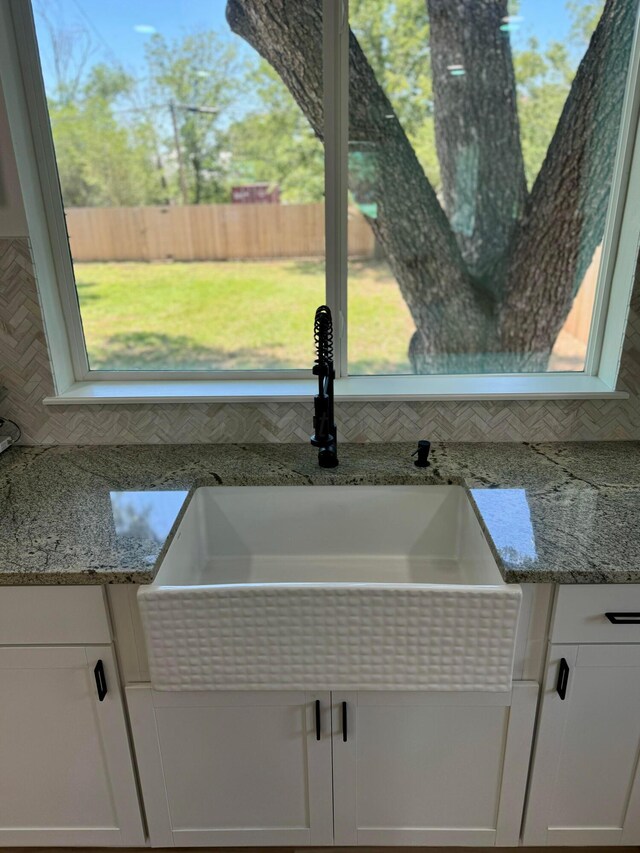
x,y
25,372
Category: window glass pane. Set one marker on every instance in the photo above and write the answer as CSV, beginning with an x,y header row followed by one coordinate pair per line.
x,y
482,142
192,181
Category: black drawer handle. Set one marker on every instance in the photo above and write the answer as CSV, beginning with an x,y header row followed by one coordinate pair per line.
x,y
563,679
623,618
344,722
318,732
101,681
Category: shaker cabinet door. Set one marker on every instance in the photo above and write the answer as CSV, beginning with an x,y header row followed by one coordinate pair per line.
x,y
584,786
234,768
66,773
431,769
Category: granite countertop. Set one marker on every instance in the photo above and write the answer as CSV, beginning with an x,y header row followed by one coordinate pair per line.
x,y
565,513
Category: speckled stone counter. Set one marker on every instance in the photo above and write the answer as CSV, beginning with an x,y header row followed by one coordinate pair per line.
x,y
566,513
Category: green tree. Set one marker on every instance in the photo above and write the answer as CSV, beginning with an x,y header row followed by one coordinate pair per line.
x,y
585,17
544,80
273,142
193,80
103,144
395,39
101,160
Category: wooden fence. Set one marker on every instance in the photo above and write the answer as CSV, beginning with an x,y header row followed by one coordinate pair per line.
x,y
213,232
578,323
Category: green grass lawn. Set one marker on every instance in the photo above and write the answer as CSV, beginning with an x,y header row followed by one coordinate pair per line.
x,y
234,315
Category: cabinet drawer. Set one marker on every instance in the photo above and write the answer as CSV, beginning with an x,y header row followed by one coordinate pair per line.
x,y
53,615
607,613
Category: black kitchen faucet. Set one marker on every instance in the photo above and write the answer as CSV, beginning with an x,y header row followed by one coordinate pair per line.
x,y
325,437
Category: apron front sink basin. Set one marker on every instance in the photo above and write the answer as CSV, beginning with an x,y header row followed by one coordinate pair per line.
x,y
330,587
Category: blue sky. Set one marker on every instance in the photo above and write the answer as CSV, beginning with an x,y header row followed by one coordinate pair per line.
x,y
115,24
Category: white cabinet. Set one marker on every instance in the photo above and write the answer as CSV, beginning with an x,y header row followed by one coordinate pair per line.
x,y
431,768
66,775
234,768
584,786
243,768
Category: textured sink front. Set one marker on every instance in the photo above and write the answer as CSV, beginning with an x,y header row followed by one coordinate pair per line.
x,y
351,587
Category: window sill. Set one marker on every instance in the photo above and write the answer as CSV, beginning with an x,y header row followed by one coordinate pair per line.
x,y
560,386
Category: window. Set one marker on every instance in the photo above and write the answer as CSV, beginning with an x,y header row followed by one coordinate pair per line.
x,y
481,152
192,186
450,178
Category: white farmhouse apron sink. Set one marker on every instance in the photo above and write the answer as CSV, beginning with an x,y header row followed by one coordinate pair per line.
x,y
330,587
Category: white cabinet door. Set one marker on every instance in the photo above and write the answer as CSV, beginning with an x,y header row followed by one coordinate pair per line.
x,y
234,768
431,768
66,774
584,785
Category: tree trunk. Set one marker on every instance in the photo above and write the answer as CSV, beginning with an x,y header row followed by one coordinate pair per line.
x,y
491,292
197,179
477,130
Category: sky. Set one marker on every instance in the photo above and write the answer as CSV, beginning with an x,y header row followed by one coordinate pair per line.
x,y
120,28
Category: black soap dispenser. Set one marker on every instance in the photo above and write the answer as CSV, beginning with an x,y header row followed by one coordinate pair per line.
x,y
424,447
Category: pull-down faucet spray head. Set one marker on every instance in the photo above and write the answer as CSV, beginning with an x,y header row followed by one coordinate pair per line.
x,y
325,436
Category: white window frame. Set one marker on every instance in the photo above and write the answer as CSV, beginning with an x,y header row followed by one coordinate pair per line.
x,y
21,79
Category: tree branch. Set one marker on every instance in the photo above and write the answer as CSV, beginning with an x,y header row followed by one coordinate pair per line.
x,y
564,217
477,129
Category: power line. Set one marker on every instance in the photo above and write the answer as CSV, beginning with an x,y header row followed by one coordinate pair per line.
x,y
205,110
191,109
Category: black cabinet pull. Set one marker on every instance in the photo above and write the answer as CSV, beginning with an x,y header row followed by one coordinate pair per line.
x,y
344,722
623,618
101,681
318,719
563,679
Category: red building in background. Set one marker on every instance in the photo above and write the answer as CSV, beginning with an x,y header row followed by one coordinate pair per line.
x,y
255,194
